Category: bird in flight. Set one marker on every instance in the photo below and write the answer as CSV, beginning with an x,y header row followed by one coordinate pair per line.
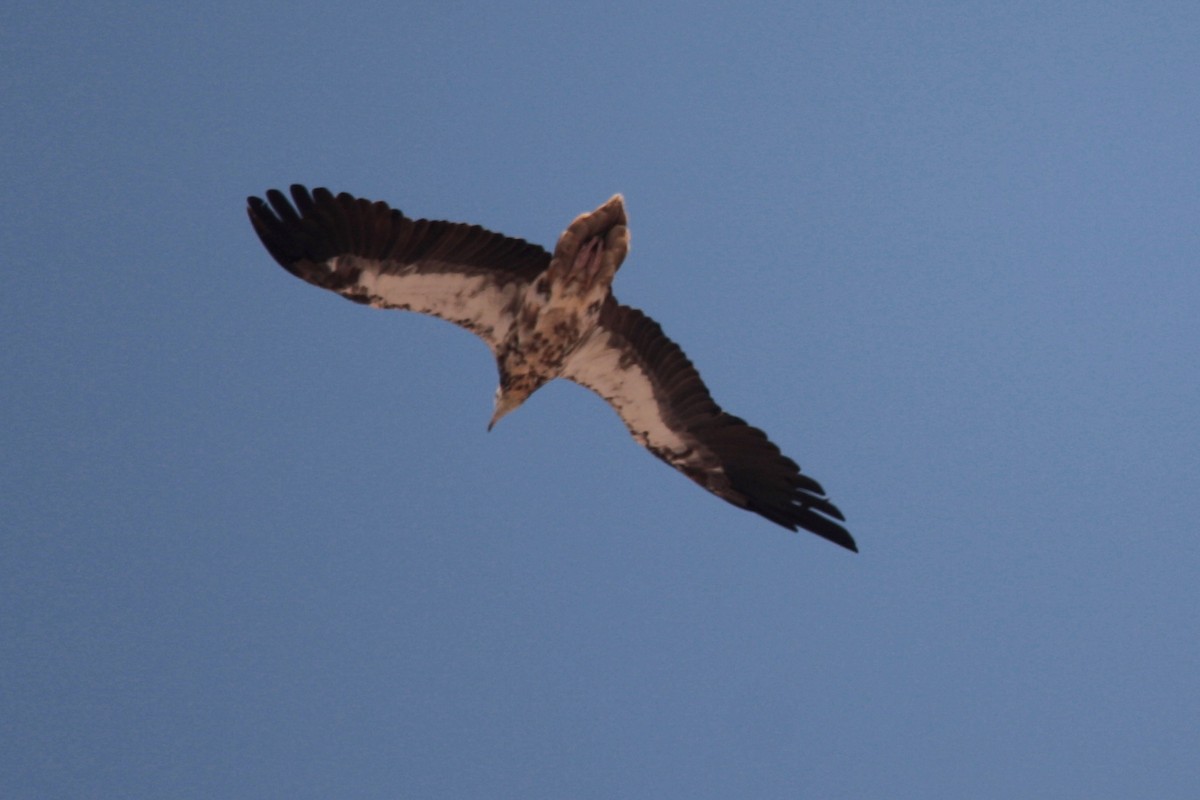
x,y
544,316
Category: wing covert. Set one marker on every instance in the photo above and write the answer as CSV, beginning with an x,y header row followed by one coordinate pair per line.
x,y
659,395
373,254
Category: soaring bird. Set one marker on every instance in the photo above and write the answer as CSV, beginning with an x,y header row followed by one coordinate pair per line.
x,y
546,316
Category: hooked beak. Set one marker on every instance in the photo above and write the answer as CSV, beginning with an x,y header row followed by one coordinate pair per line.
x,y
505,403
502,408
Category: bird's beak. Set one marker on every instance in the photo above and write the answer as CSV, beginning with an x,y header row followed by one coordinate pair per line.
x,y
501,410
504,404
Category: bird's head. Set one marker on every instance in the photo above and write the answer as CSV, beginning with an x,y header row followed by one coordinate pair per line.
x,y
508,398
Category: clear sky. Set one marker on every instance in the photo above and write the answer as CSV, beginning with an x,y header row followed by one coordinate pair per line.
x,y
257,543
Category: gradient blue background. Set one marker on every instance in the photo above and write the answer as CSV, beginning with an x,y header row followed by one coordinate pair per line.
x,y
257,543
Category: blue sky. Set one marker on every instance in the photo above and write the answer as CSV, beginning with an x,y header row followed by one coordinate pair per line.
x,y
257,543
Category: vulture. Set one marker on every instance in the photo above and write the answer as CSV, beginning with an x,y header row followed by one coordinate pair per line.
x,y
545,316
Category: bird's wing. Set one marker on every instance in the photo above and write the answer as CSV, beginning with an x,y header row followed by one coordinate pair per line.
x,y
646,377
373,254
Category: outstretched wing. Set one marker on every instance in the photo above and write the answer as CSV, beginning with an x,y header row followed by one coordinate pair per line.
x,y
630,362
373,254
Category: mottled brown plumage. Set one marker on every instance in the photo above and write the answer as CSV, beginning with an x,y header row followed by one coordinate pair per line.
x,y
546,316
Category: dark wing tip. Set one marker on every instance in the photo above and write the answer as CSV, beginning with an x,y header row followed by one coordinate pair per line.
x,y
288,232
753,474
790,503
757,476
312,227
318,225
811,520
798,508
